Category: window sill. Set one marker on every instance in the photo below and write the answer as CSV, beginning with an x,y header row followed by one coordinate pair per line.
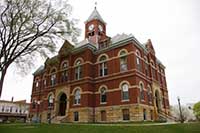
x,y
76,104
125,100
142,100
150,102
103,103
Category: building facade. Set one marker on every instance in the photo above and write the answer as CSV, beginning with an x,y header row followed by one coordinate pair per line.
x,y
13,110
101,79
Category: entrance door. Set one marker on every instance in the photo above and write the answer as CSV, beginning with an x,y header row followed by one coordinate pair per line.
x,y
157,98
103,115
62,106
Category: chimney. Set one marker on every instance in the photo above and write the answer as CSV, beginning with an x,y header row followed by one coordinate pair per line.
x,y
12,99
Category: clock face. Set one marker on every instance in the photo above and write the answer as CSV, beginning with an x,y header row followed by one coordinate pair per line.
x,y
91,27
100,28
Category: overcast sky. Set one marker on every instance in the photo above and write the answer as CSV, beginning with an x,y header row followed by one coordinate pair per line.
x,y
172,25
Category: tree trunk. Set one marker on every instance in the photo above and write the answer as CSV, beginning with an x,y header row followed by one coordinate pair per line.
x,y
2,79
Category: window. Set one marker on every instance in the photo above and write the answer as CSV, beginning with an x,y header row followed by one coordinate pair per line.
x,y
50,103
10,109
78,71
64,76
103,66
103,95
2,109
44,80
125,93
159,78
153,73
141,91
37,84
34,104
153,70
125,113
138,62
64,65
144,114
77,97
53,77
146,66
76,116
123,61
149,95
151,114
103,115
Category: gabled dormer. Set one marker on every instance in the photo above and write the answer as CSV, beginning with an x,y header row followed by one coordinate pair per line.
x,y
150,47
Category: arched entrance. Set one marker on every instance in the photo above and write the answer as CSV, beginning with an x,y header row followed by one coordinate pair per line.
x,y
62,104
157,98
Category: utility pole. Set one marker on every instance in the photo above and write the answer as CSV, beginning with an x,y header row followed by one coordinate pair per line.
x,y
181,114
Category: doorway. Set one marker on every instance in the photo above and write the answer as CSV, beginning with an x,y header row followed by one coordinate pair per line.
x,y
62,105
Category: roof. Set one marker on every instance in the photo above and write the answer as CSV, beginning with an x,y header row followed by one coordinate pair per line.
x,y
120,37
16,102
95,16
39,70
116,41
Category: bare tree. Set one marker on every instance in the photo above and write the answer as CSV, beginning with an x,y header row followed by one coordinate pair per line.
x,y
187,113
29,28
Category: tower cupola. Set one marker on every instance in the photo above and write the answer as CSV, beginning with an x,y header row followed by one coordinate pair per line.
x,y
95,27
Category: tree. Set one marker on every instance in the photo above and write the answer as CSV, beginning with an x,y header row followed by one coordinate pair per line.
x,y
196,110
29,28
187,114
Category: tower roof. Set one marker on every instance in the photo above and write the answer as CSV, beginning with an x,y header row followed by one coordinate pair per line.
x,y
95,16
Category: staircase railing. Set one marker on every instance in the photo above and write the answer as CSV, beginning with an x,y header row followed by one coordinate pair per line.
x,y
167,115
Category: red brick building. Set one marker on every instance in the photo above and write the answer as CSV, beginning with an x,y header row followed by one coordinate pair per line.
x,y
101,79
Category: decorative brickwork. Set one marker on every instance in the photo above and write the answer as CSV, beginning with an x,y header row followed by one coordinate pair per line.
x,y
132,78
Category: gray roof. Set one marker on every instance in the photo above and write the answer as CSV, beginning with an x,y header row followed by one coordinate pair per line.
x,y
39,70
120,37
95,16
117,40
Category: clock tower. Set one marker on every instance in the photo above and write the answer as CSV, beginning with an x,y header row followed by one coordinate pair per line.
x,y
95,28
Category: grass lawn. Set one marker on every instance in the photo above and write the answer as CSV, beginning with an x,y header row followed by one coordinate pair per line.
x,y
95,128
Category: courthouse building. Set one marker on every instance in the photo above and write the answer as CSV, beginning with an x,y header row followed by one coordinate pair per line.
x,y
101,79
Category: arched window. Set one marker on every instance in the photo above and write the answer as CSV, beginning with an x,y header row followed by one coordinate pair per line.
x,y
103,66
153,69
149,95
123,61
125,93
103,95
44,80
146,66
77,97
37,83
141,91
49,100
53,77
64,65
78,70
138,61
64,73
